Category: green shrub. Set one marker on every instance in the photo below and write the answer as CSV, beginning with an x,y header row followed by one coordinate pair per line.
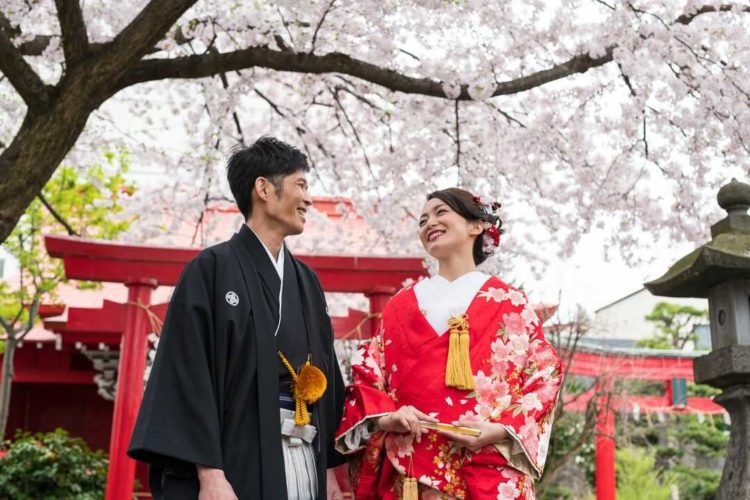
x,y
51,466
695,484
636,474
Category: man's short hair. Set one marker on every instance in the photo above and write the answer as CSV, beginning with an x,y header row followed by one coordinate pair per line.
x,y
267,157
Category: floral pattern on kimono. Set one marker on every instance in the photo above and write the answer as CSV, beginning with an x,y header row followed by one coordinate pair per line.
x,y
517,377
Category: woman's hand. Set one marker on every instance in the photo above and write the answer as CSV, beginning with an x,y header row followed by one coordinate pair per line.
x,y
405,419
491,433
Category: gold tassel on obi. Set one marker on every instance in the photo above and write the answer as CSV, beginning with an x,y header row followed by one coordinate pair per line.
x,y
458,372
410,490
308,386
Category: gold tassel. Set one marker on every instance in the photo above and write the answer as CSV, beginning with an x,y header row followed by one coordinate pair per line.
x,y
309,386
458,371
410,490
301,415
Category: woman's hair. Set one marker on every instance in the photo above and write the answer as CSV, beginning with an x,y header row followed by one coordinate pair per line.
x,y
466,205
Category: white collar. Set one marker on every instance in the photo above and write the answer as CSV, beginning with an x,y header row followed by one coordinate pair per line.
x,y
278,264
439,299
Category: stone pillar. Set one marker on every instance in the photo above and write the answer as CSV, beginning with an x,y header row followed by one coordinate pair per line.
x,y
728,368
720,271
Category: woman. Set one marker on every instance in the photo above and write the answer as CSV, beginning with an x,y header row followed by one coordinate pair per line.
x,y
459,348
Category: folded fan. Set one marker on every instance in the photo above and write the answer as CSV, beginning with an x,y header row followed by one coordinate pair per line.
x,y
450,428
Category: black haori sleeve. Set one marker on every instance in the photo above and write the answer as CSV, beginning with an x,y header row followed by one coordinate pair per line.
x,y
178,422
334,457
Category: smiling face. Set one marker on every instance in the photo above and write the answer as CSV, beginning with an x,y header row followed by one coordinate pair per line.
x,y
287,208
444,232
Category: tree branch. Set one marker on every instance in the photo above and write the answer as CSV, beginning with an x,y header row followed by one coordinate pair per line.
x,y
688,18
588,429
458,140
33,311
320,24
74,39
335,95
27,83
204,65
143,32
59,218
6,326
33,47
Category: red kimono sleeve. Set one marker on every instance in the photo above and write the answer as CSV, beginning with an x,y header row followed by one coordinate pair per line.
x,y
366,398
533,393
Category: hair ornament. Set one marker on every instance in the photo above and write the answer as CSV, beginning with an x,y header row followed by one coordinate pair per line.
x,y
491,233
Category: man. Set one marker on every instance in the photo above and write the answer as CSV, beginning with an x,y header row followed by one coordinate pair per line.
x,y
218,414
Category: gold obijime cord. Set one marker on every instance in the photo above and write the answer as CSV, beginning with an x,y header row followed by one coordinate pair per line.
x,y
458,372
308,386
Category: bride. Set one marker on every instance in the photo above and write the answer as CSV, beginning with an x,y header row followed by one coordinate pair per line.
x,y
461,348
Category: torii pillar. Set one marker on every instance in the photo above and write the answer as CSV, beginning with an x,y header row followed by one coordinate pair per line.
x,y
133,350
606,486
378,297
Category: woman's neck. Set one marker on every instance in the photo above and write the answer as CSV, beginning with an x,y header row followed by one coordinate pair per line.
x,y
456,266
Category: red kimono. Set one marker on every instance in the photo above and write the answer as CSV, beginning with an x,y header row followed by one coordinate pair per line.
x,y
517,377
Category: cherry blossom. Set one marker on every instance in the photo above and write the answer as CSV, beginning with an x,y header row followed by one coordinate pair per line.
x,y
623,117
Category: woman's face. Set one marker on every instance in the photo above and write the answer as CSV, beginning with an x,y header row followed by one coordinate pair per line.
x,y
444,232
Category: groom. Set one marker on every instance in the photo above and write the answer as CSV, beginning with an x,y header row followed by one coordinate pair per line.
x,y
220,417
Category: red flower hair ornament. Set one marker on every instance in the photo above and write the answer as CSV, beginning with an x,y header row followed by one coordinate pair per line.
x,y
491,233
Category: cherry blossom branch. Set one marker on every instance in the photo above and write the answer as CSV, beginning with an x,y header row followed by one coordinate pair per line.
x,y
508,117
301,133
199,66
334,93
348,89
143,32
286,27
329,8
74,39
688,18
458,139
33,47
27,83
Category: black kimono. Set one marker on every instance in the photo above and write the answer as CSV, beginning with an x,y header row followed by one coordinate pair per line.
x,y
212,398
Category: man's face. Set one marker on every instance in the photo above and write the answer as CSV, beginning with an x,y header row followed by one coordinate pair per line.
x,y
287,208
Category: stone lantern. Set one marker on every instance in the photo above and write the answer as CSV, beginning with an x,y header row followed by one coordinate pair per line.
x,y
720,271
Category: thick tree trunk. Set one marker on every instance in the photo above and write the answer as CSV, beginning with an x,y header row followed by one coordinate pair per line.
x,y
45,137
6,380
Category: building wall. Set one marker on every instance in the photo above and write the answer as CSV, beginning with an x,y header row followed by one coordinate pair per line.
x,y
623,323
76,408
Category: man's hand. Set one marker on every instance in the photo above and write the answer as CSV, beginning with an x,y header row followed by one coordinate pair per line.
x,y
214,485
405,419
333,490
491,433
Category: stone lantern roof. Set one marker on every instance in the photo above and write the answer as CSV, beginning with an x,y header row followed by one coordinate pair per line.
x,y
725,257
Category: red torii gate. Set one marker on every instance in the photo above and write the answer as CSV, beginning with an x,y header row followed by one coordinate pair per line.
x,y
142,268
605,367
